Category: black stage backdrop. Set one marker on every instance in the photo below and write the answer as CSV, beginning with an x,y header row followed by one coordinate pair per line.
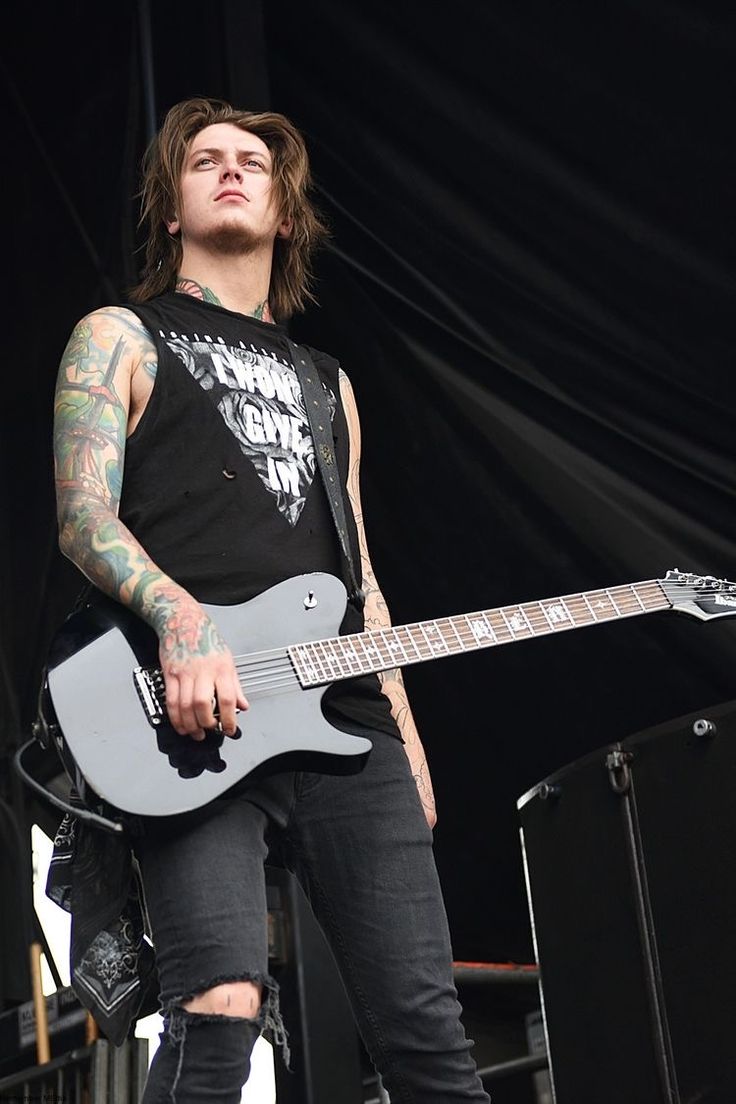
x,y
531,284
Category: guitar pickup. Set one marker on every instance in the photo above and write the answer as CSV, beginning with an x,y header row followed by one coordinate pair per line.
x,y
149,683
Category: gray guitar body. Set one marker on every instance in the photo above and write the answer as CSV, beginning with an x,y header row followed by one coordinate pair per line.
x,y
146,768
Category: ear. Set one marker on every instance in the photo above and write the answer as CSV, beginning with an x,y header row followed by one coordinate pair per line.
x,y
285,228
173,226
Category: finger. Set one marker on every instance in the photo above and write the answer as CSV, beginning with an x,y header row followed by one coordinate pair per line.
x,y
226,706
171,685
241,702
239,698
188,725
203,698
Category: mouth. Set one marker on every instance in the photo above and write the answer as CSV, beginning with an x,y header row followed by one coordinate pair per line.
x,y
229,193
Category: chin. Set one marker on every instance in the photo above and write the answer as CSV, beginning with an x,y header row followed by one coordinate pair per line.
x,y
233,237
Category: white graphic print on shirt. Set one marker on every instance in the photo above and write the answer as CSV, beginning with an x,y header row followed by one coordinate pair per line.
x,y
262,405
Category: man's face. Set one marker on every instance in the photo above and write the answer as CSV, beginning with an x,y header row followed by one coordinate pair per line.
x,y
225,191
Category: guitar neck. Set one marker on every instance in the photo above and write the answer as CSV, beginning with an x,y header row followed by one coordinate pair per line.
x,y
324,661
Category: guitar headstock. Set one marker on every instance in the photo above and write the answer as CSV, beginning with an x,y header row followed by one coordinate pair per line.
x,y
701,596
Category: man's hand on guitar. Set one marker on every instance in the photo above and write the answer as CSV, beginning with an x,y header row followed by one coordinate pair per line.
x,y
199,673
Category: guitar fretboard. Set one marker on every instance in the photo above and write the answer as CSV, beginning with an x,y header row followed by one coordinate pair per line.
x,y
322,661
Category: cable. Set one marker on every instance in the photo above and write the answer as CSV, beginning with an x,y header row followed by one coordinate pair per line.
x,y
72,810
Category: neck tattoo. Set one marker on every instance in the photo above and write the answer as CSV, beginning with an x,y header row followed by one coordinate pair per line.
x,y
190,287
263,311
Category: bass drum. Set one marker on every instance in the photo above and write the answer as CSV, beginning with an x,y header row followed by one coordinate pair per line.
x,y
630,858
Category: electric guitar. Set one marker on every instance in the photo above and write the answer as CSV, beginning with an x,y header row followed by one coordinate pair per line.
x,y
103,702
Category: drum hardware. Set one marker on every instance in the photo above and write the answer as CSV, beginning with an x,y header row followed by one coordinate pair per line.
x,y
619,775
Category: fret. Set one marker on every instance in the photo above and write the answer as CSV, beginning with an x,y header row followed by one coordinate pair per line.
x,y
497,622
372,652
409,630
522,611
332,659
317,662
516,623
305,668
593,614
585,613
336,657
635,592
396,646
508,625
365,658
480,628
607,610
461,642
613,602
390,649
443,645
423,631
352,657
319,646
654,594
568,611
557,614
379,643
548,616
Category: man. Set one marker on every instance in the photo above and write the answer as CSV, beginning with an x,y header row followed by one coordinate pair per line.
x,y
192,388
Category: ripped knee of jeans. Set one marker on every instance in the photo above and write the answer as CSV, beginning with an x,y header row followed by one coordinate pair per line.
x,y
178,1019
238,999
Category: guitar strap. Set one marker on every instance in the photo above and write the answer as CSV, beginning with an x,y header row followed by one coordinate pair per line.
x,y
320,424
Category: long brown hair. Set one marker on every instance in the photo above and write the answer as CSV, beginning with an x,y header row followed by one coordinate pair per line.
x,y
291,180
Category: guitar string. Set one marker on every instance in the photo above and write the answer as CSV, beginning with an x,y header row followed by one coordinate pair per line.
x,y
536,618
266,672
274,675
269,674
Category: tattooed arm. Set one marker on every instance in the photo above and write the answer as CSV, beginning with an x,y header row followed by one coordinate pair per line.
x,y
377,616
105,377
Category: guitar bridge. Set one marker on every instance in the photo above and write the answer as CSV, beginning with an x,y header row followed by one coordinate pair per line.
x,y
149,682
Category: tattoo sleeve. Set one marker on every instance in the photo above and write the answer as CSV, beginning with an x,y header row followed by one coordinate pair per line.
x,y
377,615
90,424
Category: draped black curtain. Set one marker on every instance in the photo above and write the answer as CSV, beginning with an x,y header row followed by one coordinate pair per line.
x,y
531,285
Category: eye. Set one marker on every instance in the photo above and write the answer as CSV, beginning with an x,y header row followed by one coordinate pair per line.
x,y
253,162
202,161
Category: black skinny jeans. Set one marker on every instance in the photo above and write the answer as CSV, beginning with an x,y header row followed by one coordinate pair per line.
x,y
361,849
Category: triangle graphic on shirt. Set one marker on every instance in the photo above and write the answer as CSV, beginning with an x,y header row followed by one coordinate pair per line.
x,y
260,401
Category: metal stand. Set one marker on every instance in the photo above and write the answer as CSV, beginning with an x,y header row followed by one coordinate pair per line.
x,y
322,1035
96,1074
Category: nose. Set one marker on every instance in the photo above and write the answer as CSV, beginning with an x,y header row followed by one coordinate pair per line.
x,y
232,171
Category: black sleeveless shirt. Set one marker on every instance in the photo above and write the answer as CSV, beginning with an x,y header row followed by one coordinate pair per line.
x,y
221,485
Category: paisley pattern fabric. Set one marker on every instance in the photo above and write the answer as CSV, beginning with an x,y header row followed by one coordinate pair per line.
x,y
93,875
